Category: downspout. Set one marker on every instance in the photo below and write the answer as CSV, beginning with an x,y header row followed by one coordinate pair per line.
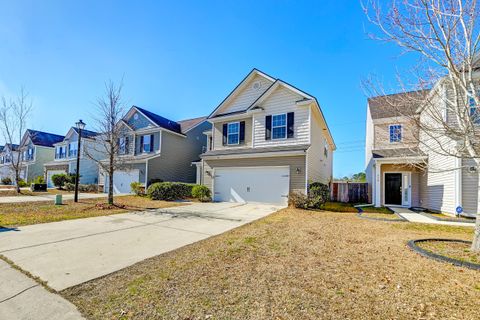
x,y
458,183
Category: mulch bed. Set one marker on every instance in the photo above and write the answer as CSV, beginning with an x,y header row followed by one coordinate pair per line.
x,y
456,252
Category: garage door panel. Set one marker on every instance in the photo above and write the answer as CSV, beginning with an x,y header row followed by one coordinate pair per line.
x,y
122,181
259,184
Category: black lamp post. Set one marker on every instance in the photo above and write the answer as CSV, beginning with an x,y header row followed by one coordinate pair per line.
x,y
80,126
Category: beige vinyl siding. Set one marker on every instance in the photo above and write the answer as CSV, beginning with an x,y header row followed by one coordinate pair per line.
x,y
319,166
281,101
218,135
297,180
382,134
42,156
244,98
440,183
470,185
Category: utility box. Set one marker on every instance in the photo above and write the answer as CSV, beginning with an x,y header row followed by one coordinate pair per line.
x,y
58,200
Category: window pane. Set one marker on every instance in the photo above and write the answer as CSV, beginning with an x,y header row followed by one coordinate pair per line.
x,y
233,139
279,120
279,133
396,133
233,128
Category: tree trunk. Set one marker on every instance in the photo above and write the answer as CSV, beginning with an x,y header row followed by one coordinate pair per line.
x,y
110,186
17,181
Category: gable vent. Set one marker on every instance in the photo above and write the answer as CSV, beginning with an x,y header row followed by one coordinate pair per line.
x,y
257,85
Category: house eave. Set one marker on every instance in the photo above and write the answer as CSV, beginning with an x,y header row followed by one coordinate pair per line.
x,y
254,155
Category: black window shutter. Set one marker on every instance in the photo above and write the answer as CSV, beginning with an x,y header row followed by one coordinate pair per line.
x,y
141,144
242,132
151,142
225,128
118,146
126,145
268,127
290,120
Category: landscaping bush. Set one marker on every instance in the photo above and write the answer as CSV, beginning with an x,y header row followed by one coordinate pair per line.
x,y
60,179
39,180
7,181
69,186
22,183
169,191
152,181
298,200
201,193
318,194
137,188
91,188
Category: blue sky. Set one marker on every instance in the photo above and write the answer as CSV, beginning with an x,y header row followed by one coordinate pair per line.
x,y
181,58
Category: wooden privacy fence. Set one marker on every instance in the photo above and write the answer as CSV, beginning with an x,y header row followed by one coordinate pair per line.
x,y
352,192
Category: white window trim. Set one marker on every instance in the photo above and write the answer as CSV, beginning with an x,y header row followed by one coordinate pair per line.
x,y
471,108
286,126
401,133
238,133
150,149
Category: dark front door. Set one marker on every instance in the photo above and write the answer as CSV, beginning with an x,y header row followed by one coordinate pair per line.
x,y
393,188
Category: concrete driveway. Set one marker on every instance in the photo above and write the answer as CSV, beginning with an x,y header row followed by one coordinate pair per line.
x,y
68,253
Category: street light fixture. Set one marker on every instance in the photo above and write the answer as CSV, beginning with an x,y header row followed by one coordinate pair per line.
x,y
80,126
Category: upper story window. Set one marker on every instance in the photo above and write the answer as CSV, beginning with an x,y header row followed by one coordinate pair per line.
x,y
279,126
2,160
146,143
474,111
123,145
233,133
8,158
60,152
72,149
395,133
325,151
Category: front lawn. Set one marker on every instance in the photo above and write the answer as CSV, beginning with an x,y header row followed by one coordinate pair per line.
x,y
27,192
294,264
19,214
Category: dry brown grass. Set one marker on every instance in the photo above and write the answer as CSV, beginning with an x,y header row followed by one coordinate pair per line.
x,y
26,213
294,264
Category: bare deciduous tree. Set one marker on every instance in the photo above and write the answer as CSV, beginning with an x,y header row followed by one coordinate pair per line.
x,y
110,110
444,37
14,114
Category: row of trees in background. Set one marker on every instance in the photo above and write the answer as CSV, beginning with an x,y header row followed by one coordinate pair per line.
x,y
16,112
356,177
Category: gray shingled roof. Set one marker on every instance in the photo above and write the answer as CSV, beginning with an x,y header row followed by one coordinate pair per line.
x,y
235,151
398,152
395,105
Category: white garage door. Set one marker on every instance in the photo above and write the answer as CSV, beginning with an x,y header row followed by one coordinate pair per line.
x,y
122,181
49,177
258,184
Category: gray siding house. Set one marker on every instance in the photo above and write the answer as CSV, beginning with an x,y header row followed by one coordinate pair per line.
x,y
8,153
155,148
65,157
36,149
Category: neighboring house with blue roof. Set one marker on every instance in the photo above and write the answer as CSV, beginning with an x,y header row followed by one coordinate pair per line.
x,y
36,149
155,148
64,158
8,154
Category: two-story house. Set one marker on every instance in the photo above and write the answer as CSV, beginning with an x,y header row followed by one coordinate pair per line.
x,y
268,139
403,167
36,149
154,148
8,154
65,157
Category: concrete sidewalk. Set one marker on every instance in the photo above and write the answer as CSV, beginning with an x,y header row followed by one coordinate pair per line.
x,y
23,298
418,218
49,197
